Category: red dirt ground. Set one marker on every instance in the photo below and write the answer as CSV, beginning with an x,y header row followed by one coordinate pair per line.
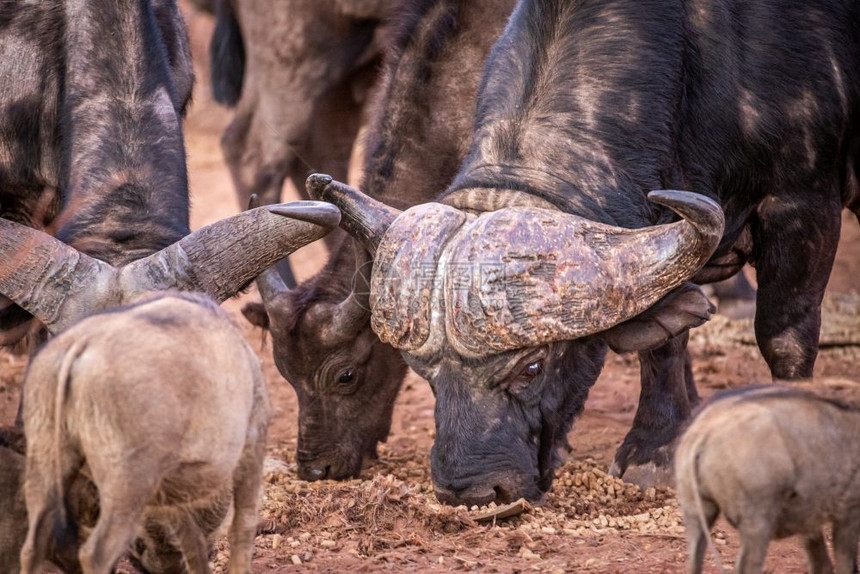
x,y
388,519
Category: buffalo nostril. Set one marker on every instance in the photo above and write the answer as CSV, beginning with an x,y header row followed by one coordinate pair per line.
x,y
502,495
317,473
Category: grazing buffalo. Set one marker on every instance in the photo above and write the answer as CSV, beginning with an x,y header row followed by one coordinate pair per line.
x,y
163,405
346,380
776,462
93,92
545,250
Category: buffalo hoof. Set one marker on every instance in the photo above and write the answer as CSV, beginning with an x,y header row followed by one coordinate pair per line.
x,y
649,465
645,475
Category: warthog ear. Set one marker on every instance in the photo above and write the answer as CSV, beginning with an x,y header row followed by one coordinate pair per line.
x,y
683,308
256,314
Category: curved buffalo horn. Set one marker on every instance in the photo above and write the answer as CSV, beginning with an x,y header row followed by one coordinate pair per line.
x,y
352,314
221,258
363,217
566,277
270,284
58,284
54,282
703,214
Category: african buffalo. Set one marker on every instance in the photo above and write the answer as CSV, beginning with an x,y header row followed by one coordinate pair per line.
x,y
163,406
545,250
292,69
94,91
346,380
59,285
92,94
298,102
776,462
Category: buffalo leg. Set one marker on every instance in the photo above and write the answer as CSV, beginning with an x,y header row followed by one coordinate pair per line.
x,y
793,262
664,404
690,380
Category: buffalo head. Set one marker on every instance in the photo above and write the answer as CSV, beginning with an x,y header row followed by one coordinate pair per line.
x,y
508,315
345,379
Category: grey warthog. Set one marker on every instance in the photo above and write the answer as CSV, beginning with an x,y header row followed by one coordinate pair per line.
x,y
560,237
154,550
776,462
60,285
163,405
345,379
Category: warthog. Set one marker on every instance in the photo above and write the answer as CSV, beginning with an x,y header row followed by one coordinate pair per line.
x,y
153,551
776,462
163,405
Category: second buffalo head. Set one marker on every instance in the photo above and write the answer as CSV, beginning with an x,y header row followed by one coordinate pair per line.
x,y
345,378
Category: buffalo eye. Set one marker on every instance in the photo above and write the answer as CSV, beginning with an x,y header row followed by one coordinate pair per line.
x,y
532,369
521,386
346,376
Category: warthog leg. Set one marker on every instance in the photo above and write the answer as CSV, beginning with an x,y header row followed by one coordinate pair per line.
x,y
756,532
192,543
697,534
845,535
41,502
123,500
246,496
816,553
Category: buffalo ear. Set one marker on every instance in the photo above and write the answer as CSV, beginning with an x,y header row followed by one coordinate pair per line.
x,y
682,308
256,314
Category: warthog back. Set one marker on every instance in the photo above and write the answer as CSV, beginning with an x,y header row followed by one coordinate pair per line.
x,y
164,406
